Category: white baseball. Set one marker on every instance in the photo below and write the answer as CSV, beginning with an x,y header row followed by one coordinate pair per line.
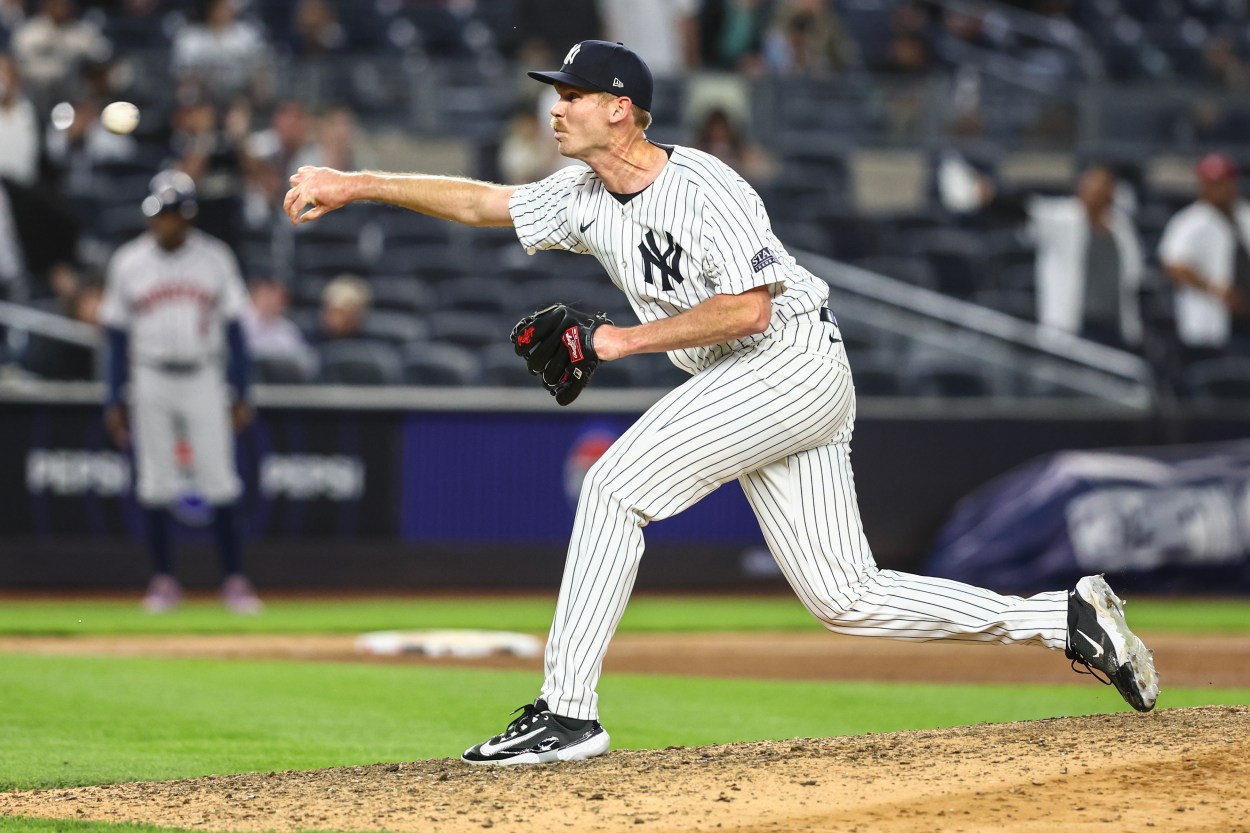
x,y
120,117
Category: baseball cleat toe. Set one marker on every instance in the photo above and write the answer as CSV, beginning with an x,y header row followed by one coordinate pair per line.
x,y
540,737
1099,639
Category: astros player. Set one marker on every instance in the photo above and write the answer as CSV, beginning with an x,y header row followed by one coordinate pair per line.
x,y
171,312
770,404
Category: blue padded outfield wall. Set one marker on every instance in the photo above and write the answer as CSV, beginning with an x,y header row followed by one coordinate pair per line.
x,y
411,499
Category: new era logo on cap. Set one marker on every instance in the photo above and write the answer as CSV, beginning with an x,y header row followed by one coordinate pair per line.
x,y
607,67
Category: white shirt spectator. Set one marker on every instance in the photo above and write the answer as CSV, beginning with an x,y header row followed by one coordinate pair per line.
x,y
655,29
50,53
19,136
12,268
1200,237
1060,228
224,59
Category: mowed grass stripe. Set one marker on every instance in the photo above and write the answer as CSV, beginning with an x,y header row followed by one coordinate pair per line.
x,y
75,721
531,614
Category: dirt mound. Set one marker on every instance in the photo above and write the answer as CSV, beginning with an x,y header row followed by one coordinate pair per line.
x,y
1175,770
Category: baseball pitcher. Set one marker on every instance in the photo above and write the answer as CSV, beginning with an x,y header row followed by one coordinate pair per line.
x,y
770,402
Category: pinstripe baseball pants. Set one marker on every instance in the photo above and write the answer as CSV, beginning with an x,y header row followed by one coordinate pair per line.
x,y
778,417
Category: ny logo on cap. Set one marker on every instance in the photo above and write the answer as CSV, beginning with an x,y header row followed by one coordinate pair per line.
x,y
568,59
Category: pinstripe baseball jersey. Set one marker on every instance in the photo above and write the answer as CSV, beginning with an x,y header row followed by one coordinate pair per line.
x,y
775,411
173,303
698,230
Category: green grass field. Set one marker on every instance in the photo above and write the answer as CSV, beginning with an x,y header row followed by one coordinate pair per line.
x,y
80,720
645,614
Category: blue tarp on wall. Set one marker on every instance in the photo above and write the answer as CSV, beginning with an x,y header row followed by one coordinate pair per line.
x,y
1175,520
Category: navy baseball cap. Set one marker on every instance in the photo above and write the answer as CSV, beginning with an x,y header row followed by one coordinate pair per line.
x,y
171,190
608,67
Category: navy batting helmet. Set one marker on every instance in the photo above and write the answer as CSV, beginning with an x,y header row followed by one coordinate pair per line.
x,y
171,191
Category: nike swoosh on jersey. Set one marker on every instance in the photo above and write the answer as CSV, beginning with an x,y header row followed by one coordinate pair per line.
x,y
489,748
588,225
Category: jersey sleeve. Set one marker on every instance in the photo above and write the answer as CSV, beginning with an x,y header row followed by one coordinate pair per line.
x,y
114,307
542,212
740,251
234,299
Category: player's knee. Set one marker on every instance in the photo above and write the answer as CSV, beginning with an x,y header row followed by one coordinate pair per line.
x,y
603,487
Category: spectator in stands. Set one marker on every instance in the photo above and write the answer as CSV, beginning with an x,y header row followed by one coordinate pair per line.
x,y
962,36
19,127
277,150
12,262
52,46
12,14
336,144
36,234
731,35
222,55
1088,265
1089,261
526,153
720,136
910,48
273,154
1221,66
1204,250
665,33
270,334
806,40
344,305
315,30
212,150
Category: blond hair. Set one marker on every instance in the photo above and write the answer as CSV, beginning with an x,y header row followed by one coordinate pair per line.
x,y
347,292
642,118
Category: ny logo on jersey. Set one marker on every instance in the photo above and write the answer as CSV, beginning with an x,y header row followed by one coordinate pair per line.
x,y
669,262
568,59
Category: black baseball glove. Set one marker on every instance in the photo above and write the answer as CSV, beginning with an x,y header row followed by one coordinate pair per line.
x,y
557,344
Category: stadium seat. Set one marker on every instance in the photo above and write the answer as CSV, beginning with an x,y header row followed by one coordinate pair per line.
x,y
876,374
479,294
1225,378
360,362
956,256
279,370
444,365
503,367
944,375
393,326
330,258
403,293
591,293
913,270
470,329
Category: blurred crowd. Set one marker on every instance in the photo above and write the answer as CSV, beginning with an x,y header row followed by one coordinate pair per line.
x,y
214,105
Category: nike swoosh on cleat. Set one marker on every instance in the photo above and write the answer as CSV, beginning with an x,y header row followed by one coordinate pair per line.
x,y
1098,650
588,225
489,748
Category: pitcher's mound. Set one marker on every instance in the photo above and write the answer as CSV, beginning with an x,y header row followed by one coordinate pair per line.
x,y
1174,770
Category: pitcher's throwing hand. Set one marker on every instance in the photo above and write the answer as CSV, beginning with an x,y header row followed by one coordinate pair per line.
x,y
320,190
